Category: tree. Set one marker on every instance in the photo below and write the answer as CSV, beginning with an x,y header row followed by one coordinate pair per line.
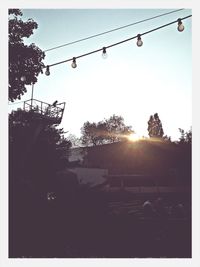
x,y
116,128
155,126
186,137
107,131
37,157
185,155
25,61
89,133
37,150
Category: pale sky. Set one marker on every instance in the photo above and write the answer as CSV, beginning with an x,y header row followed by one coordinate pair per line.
x,y
134,82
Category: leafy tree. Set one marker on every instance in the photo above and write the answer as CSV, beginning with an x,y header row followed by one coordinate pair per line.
x,y
155,126
37,157
46,205
186,137
89,133
107,131
185,155
116,128
37,150
94,133
25,61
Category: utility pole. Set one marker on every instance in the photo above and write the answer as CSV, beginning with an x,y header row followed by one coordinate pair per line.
x,y
32,95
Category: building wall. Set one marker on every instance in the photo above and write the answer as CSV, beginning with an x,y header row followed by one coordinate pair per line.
x,y
91,176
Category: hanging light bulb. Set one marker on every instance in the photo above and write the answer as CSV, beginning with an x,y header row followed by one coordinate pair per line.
x,y
139,40
74,65
104,54
47,72
180,27
23,78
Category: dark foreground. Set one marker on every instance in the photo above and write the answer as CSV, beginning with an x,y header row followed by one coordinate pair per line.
x,y
98,225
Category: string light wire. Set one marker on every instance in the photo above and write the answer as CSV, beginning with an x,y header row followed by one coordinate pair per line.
x,y
118,43
115,29
112,45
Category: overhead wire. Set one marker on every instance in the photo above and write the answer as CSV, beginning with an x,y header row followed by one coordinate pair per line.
x,y
115,29
118,43
112,45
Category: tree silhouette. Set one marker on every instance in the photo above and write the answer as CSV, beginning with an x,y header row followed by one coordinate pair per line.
x,y
89,134
25,61
48,210
37,157
117,130
155,127
37,150
186,137
104,132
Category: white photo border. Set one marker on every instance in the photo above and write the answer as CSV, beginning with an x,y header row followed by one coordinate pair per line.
x,y
53,4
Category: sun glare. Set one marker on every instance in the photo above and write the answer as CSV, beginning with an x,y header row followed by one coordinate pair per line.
x,y
133,137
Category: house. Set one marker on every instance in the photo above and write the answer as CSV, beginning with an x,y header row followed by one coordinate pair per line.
x,y
151,164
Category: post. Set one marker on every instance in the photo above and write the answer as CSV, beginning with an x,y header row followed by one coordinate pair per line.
x,y
32,95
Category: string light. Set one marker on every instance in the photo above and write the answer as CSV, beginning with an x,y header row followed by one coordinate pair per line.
x,y
47,72
139,43
104,54
180,27
139,40
74,65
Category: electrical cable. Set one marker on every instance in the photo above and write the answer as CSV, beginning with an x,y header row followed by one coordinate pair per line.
x,y
118,43
115,29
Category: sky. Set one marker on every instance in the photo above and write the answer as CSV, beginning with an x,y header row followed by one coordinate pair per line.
x,y
133,82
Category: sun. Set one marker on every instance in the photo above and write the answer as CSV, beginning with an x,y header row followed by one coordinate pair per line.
x,y
133,137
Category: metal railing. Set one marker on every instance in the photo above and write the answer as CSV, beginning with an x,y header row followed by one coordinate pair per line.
x,y
45,110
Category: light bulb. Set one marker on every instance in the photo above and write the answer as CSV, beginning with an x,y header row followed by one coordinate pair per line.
x,y
180,27
47,72
104,54
139,40
74,65
23,78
